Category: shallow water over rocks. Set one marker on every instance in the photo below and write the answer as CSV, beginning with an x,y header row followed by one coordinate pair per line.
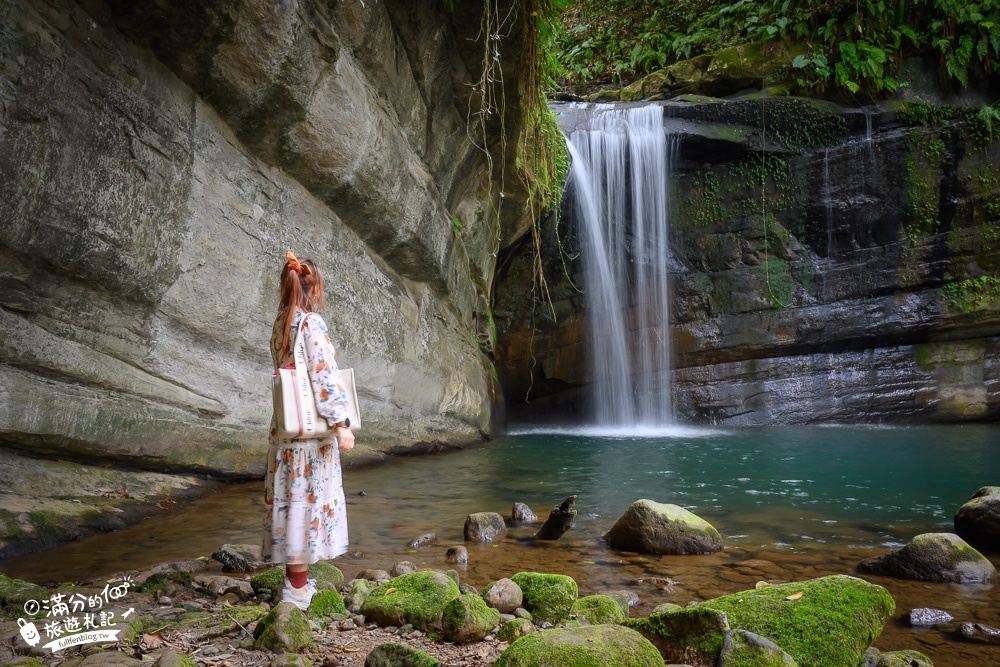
x,y
791,504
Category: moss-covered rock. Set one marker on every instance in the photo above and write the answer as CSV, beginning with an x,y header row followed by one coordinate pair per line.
x,y
15,592
512,630
174,658
358,593
596,610
746,649
327,576
943,557
26,662
418,598
268,582
290,660
400,655
284,629
484,527
903,659
467,618
208,625
826,622
978,520
658,528
588,646
549,597
325,604
693,635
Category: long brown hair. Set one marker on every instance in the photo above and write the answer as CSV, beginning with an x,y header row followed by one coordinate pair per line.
x,y
301,286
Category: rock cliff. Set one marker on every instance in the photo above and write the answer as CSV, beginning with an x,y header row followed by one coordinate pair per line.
x,y
832,264
157,159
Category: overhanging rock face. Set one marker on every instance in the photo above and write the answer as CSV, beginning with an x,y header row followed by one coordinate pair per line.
x,y
156,164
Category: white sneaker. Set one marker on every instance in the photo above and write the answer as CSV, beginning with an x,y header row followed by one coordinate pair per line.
x,y
300,597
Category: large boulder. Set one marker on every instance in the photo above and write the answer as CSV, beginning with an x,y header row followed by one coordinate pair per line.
x,y
657,528
943,557
400,655
467,618
284,629
741,648
826,622
15,592
597,610
418,598
978,520
549,597
604,645
484,527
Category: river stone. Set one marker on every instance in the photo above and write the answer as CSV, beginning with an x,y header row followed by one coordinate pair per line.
x,y
597,610
402,567
238,557
979,633
467,618
484,527
174,658
926,616
290,660
514,629
285,629
830,624
422,540
908,658
940,557
605,645
686,634
400,655
503,595
357,594
521,513
418,598
324,604
457,555
203,626
657,528
378,576
626,599
741,648
548,597
978,520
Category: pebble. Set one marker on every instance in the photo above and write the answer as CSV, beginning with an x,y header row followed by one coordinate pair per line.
x,y
416,634
349,624
164,600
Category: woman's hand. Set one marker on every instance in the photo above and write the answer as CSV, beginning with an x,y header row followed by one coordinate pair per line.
x,y
345,438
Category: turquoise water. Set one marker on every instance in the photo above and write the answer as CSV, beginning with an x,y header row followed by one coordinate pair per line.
x,y
807,501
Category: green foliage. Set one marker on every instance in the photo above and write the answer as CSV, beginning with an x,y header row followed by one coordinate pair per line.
x,y
972,294
851,45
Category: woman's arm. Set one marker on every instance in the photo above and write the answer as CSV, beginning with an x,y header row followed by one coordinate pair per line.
x,y
331,397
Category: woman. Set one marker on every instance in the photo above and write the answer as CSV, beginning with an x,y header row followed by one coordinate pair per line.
x,y
305,519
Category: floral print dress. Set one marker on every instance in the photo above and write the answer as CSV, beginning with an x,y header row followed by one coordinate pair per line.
x,y
305,519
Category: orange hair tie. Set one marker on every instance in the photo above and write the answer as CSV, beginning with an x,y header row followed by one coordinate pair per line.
x,y
294,265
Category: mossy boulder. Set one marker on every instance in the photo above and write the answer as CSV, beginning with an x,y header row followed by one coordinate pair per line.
x,y
15,592
826,622
586,646
174,658
941,557
597,610
203,626
325,604
327,576
515,629
693,635
548,597
400,655
418,598
284,629
746,649
28,662
658,528
903,659
358,593
978,520
467,618
268,582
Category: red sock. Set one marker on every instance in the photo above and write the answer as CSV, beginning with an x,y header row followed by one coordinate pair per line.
x,y
297,578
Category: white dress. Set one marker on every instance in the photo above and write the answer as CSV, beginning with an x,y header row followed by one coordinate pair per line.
x,y
305,516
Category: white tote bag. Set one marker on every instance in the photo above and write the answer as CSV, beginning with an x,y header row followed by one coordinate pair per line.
x,y
295,413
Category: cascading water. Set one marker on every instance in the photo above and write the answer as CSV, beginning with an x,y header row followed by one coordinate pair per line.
x,y
622,163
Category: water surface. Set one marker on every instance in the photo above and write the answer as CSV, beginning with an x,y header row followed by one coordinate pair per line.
x,y
791,504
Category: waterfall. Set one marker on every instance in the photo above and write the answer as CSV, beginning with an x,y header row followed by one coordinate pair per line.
x,y
622,163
